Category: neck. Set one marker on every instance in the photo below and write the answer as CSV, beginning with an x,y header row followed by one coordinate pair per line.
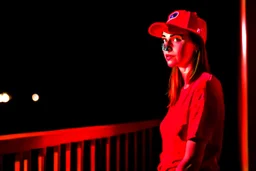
x,y
185,73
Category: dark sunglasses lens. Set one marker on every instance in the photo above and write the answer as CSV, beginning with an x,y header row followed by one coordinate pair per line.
x,y
162,46
165,47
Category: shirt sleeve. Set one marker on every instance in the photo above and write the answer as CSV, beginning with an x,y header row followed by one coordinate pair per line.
x,y
203,115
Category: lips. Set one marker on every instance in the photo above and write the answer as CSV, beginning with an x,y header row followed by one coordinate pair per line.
x,y
169,57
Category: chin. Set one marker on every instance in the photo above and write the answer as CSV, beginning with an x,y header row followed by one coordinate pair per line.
x,y
171,64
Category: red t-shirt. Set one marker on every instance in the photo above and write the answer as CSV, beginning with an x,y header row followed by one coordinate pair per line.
x,y
198,114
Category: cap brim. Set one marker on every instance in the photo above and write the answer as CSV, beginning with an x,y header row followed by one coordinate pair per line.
x,y
156,29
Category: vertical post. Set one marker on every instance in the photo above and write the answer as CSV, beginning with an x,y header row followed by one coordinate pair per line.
x,y
242,91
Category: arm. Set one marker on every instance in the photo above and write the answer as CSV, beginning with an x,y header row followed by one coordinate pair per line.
x,y
193,156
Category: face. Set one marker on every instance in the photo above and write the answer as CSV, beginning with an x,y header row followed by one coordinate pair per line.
x,y
178,48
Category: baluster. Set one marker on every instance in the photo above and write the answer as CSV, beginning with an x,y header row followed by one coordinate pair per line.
x,y
68,156
150,148
144,150
27,161
41,159
127,152
18,162
56,158
80,156
108,158
135,151
93,154
118,153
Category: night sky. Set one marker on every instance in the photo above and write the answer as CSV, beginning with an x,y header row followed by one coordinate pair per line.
x,y
96,64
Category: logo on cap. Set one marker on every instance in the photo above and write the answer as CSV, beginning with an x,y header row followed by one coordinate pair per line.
x,y
173,15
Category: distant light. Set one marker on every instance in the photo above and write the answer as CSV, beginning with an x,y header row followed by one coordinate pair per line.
x,y
35,97
4,98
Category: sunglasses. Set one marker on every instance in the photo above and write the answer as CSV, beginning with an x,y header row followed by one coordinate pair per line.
x,y
174,38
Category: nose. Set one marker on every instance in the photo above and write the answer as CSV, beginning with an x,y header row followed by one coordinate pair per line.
x,y
166,47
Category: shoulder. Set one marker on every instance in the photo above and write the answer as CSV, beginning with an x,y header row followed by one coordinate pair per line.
x,y
207,91
207,81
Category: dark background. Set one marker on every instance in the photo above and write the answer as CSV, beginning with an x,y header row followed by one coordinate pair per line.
x,y
96,64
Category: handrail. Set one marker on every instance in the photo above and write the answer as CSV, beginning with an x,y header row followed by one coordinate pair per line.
x,y
15,143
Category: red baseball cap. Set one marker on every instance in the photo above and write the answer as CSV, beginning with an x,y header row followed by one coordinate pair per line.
x,y
182,19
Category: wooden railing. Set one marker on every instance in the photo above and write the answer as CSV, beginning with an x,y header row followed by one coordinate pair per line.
x,y
124,147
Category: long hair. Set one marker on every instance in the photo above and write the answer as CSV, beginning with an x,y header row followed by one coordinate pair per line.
x,y
200,64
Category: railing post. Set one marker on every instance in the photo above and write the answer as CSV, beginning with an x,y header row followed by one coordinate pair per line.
x,y
41,159
108,158
93,155
56,158
150,131
127,152
18,162
118,153
135,151
27,161
144,150
80,156
68,156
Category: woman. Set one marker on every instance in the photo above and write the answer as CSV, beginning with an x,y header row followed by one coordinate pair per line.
x,y
192,129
